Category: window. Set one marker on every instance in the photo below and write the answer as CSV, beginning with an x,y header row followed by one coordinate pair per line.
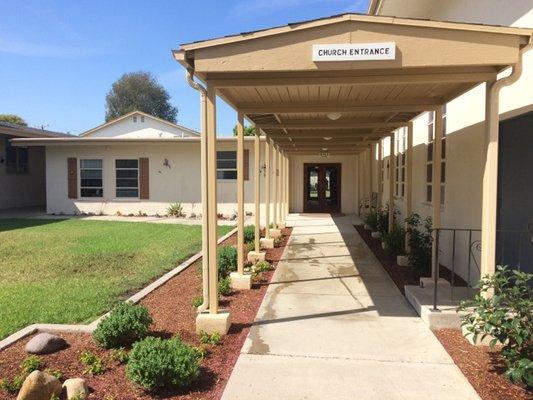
x,y
127,178
142,118
401,146
134,118
429,158
226,165
91,183
16,158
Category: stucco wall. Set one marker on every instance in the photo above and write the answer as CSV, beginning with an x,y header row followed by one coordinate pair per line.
x,y
23,190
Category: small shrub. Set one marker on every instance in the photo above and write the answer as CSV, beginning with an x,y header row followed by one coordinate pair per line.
x,y
202,351
14,385
249,234
226,260
262,266
382,219
502,309
420,242
213,338
54,372
278,241
175,210
224,286
125,324
56,397
156,363
371,219
119,355
197,301
250,246
395,240
30,364
94,365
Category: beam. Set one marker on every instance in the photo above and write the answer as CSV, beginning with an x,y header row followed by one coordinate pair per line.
x,y
326,124
324,133
361,80
401,105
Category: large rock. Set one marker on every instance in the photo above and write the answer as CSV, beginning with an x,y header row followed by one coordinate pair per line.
x,y
75,388
39,386
45,343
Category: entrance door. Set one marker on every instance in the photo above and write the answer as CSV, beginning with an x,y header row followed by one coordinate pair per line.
x,y
322,188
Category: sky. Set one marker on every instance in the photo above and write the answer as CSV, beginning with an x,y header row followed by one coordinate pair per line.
x,y
58,59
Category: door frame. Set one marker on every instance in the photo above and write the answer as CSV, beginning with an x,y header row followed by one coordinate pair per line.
x,y
306,188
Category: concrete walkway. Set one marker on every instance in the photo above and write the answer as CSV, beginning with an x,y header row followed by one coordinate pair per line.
x,y
333,325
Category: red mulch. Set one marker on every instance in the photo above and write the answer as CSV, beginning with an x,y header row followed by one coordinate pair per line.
x,y
171,308
482,367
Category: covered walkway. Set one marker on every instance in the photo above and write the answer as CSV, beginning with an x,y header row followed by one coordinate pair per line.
x,y
334,326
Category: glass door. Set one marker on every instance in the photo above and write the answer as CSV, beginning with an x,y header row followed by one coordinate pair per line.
x,y
322,188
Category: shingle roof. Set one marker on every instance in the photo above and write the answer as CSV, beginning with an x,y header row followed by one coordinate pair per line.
x,y
26,131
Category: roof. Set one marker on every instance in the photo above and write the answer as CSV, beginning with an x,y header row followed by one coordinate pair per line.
x,y
26,131
136,112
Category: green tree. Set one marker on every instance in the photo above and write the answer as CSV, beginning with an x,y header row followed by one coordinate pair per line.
x,y
248,130
13,119
139,91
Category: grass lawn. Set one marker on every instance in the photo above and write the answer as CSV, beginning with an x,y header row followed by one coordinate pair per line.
x,y
71,271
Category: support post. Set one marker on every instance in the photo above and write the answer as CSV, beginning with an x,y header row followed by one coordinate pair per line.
x,y
380,172
392,181
267,242
280,187
408,180
370,175
257,191
275,185
436,186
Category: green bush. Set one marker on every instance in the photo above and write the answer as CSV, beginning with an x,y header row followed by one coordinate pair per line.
x,y
197,301
30,364
119,355
371,219
126,324
502,310
55,373
420,242
175,210
224,286
156,363
226,260
382,220
14,385
395,240
94,365
262,266
249,234
213,338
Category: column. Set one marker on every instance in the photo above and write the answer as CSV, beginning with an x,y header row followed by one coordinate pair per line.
x,y
279,191
380,169
392,179
267,188
274,185
370,172
257,192
436,184
409,178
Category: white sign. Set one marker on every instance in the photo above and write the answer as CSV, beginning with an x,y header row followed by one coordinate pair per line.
x,y
354,52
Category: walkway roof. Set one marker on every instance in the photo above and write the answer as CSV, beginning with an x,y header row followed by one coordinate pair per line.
x,y
270,75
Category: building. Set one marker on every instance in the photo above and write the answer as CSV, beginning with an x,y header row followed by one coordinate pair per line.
x,y
22,169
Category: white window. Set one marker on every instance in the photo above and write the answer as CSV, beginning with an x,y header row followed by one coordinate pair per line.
x,y
429,158
127,178
91,182
226,165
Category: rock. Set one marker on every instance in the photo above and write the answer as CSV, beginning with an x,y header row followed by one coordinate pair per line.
x,y
75,388
45,343
39,386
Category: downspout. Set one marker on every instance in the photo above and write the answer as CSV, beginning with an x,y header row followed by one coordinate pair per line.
x,y
203,159
515,73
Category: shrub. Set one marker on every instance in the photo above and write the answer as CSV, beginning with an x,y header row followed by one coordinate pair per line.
x,y
54,372
226,260
395,240
249,234
156,363
94,365
382,220
420,242
262,266
175,210
125,324
371,219
30,364
14,385
502,309
224,286
119,355
250,246
197,301
213,338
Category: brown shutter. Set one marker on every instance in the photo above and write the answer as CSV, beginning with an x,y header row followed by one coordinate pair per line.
x,y
144,180
72,177
246,163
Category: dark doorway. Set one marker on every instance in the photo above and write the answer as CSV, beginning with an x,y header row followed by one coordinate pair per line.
x,y
515,194
322,188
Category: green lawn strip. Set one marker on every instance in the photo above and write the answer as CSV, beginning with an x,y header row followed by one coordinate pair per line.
x,y
72,271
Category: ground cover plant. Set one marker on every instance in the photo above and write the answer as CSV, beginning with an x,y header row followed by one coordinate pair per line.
x,y
72,271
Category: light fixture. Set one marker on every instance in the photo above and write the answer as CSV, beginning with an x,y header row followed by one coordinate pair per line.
x,y
324,148
334,116
327,138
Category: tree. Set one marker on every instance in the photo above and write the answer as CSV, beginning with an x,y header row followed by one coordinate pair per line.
x,y
13,119
248,130
139,91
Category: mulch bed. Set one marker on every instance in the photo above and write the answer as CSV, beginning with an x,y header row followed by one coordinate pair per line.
x,y
482,367
171,308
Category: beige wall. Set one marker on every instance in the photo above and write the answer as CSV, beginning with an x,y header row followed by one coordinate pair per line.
x,y
23,190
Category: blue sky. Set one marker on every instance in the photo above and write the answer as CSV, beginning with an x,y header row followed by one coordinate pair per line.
x,y
58,59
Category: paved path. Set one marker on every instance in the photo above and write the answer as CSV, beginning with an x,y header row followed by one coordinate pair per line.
x,y
333,325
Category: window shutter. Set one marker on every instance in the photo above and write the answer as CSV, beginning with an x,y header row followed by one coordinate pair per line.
x,y
72,177
144,180
246,163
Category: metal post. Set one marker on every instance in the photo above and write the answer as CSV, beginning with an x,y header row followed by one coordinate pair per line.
x,y
436,278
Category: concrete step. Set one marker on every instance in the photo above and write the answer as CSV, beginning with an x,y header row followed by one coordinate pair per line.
x,y
429,282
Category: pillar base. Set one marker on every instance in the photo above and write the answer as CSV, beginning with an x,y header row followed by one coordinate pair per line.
x,y
213,323
275,233
266,243
255,257
240,282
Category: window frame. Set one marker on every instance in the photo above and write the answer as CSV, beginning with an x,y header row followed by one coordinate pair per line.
x,y
117,188
101,169
401,147
17,167
429,158
226,169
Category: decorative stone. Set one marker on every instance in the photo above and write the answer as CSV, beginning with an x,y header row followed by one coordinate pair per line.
x,y
402,261
45,343
39,386
75,388
255,257
384,245
375,235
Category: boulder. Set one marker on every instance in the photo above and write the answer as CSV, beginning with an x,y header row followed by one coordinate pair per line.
x,y
45,343
75,388
39,386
